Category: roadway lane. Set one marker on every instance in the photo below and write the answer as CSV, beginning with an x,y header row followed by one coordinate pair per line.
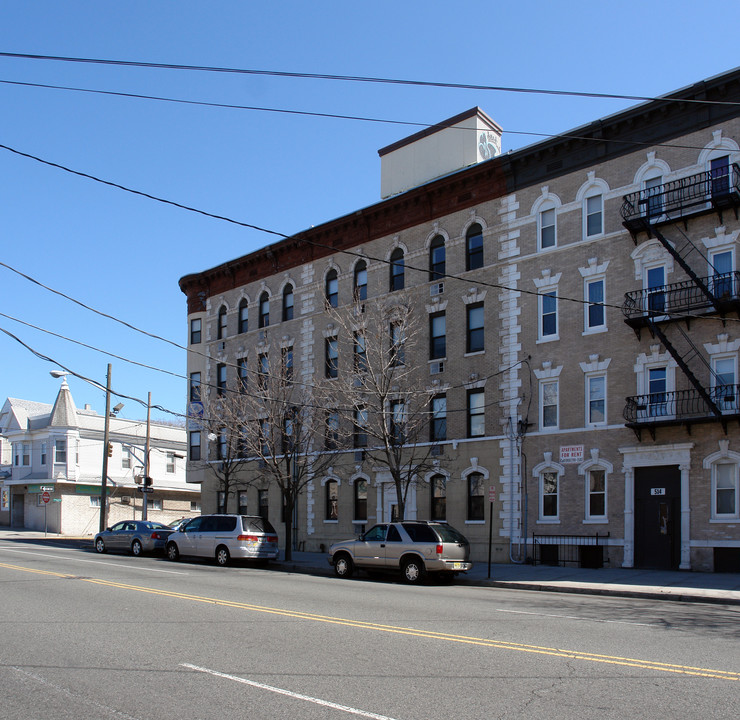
x,y
111,636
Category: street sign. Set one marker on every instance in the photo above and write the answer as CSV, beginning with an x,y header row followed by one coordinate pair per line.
x,y
491,494
45,497
47,488
145,489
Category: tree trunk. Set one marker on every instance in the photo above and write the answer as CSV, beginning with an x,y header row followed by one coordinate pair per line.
x,y
289,502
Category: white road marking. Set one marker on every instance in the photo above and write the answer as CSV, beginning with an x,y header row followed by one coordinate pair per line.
x,y
95,562
289,693
575,617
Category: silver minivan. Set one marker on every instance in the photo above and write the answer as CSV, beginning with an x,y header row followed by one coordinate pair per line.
x,y
223,537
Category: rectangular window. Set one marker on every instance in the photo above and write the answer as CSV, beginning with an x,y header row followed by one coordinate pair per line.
x,y
360,499
359,432
657,395
476,413
194,506
724,285
548,315
596,398
155,503
287,360
549,495
476,497
331,437
43,453
549,404
26,454
360,352
263,503
438,490
653,197
170,468
439,418
595,310
655,281
724,388
594,215
195,331
398,422
397,356
220,379
547,229
243,503
476,328
242,373
719,169
332,500
263,369
60,451
437,336
331,358
125,457
195,387
596,494
726,489
194,445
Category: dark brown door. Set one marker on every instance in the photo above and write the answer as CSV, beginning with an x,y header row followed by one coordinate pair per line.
x,y
658,517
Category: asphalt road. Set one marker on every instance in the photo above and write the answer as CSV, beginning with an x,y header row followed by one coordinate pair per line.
x,y
112,636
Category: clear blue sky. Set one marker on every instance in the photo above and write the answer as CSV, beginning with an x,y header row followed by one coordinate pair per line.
x,y
124,254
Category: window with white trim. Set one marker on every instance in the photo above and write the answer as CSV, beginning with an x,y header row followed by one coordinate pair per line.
x,y
596,494
221,331
725,491
595,309
547,231
596,399
549,404
332,500
549,495
548,324
724,383
593,208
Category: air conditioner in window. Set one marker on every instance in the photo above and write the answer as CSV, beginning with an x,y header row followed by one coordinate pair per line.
x,y
436,368
437,288
125,499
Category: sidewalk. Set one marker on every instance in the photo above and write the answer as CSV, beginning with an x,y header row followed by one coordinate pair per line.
x,y
722,588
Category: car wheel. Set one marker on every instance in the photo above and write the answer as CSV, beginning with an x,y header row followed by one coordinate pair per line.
x,y
136,547
172,552
413,571
100,545
343,566
222,555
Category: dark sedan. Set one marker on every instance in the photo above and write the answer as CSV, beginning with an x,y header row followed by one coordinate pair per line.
x,y
134,536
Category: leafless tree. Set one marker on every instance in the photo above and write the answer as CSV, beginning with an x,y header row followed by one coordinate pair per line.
x,y
386,406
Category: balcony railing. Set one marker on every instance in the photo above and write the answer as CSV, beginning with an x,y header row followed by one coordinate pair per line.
x,y
714,188
678,298
680,406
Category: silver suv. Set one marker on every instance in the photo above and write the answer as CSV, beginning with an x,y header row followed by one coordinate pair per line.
x,y
224,537
415,547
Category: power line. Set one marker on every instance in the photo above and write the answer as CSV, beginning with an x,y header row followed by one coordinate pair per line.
x,y
357,78
360,118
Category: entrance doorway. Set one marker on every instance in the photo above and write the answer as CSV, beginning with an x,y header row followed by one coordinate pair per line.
x,y
658,517
16,511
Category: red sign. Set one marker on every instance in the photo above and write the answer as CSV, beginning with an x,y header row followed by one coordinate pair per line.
x,y
491,494
45,497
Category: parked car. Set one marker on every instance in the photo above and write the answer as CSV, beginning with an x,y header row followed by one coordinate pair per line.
x,y
179,524
223,537
413,547
136,536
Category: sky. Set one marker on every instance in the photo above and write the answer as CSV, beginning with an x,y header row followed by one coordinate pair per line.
x,y
90,272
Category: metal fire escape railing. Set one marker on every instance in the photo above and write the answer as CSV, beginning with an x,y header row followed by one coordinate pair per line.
x,y
681,406
651,308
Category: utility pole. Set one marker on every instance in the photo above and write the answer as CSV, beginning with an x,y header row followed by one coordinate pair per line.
x,y
147,480
106,443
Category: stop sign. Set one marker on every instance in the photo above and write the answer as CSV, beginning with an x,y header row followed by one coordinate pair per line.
x,y
45,497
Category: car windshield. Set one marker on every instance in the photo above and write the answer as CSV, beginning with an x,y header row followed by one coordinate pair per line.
x,y
448,533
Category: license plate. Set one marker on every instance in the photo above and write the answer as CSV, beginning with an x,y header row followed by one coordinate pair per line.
x,y
458,566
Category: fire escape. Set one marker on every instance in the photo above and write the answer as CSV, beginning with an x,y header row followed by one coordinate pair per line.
x,y
663,309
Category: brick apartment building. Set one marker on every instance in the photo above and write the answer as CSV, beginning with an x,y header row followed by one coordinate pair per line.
x,y
581,297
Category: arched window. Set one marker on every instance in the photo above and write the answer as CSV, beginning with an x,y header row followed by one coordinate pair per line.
x,y
243,316
222,327
360,499
361,280
332,500
264,316
332,288
288,303
397,270
437,259
474,247
476,497
438,491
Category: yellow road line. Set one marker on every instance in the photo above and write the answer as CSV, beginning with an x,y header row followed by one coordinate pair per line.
x,y
413,632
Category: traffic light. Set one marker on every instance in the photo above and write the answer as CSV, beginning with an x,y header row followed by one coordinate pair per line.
x,y
110,449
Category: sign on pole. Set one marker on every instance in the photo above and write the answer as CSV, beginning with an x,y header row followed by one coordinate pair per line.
x,y
45,497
